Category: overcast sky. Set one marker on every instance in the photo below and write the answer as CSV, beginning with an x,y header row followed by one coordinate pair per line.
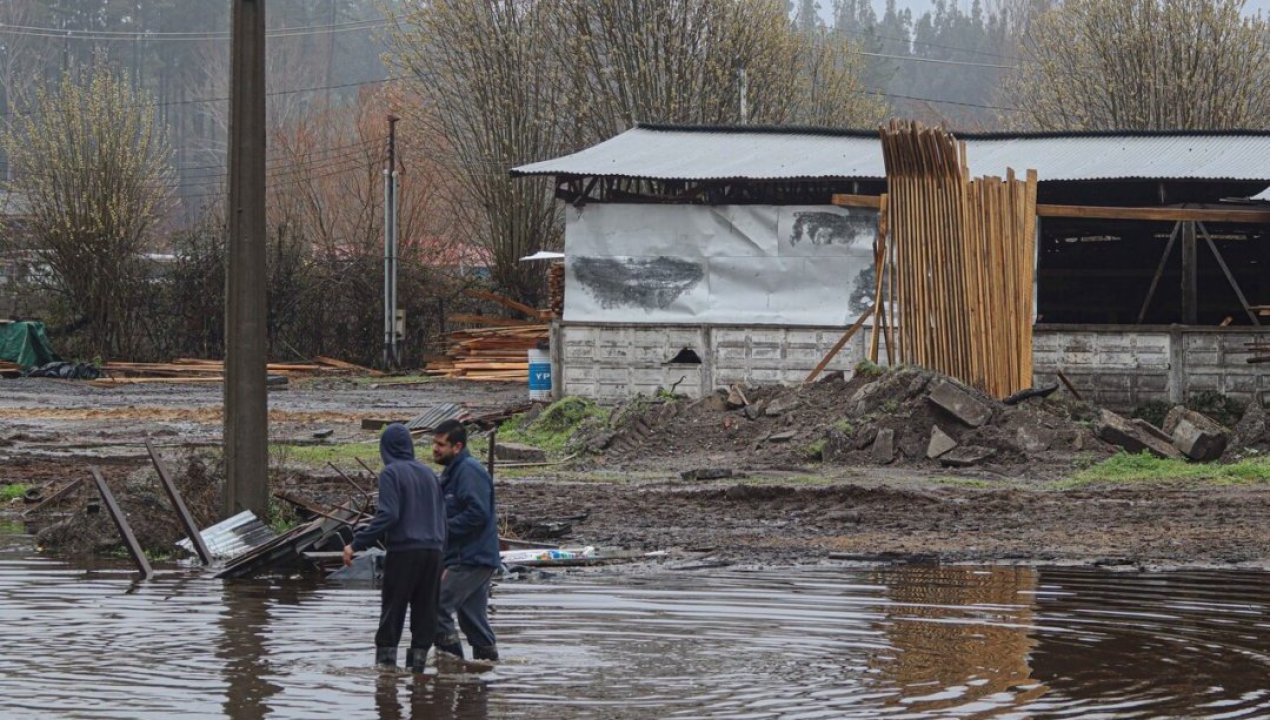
x,y
920,6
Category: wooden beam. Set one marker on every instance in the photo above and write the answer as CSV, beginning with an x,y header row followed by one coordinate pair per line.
x,y
121,522
859,201
178,504
1159,272
1230,277
1093,212
838,345
1190,278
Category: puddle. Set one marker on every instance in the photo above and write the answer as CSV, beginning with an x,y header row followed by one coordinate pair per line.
x,y
794,643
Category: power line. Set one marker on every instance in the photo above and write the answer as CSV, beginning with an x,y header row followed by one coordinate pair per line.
x,y
908,41
919,58
275,93
941,102
131,35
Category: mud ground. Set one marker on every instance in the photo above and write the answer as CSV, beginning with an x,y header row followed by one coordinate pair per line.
x,y
791,509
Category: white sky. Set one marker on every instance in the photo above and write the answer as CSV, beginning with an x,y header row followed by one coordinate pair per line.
x,y
920,6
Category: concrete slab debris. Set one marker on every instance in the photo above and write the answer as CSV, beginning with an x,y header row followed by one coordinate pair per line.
x,y
1116,430
883,450
960,404
940,443
966,456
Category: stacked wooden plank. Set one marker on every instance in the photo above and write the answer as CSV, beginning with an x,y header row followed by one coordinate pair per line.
x,y
495,353
960,258
189,371
555,289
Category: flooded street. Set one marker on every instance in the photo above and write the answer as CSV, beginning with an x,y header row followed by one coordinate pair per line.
x,y
810,642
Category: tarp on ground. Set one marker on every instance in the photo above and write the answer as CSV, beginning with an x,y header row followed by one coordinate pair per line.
x,y
26,344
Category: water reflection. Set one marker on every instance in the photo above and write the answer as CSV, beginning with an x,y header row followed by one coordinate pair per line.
x,y
810,642
245,658
959,636
430,698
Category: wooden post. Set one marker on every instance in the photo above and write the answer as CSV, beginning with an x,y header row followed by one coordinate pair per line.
x,y
1190,276
121,522
178,504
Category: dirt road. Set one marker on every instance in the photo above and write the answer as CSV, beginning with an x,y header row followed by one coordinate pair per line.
x,y
50,430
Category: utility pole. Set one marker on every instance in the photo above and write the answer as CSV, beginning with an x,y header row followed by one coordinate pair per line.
x,y
390,248
246,428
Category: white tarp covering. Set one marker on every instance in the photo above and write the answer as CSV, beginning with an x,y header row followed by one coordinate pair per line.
x,y
733,264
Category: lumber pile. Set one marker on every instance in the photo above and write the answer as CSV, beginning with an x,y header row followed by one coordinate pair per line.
x,y
495,353
192,371
960,261
555,289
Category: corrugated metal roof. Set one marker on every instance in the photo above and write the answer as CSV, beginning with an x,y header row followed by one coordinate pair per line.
x,y
1263,195
233,537
714,153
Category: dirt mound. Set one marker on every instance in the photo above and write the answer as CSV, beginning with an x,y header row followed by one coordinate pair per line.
x,y
907,416
1251,434
88,529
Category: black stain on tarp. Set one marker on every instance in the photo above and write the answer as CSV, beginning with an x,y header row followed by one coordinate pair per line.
x,y
649,283
828,228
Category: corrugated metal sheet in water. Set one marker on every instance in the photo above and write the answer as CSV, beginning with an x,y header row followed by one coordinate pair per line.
x,y
705,154
434,416
233,537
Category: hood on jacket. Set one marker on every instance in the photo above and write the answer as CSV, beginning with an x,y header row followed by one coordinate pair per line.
x,y
395,444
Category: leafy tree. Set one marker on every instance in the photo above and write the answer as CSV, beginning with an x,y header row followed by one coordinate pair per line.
x,y
93,166
1144,64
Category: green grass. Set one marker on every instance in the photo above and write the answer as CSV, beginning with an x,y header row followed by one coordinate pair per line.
x,y
320,455
12,492
554,426
1144,467
843,426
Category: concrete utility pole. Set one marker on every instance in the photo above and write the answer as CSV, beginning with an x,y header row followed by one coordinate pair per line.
x,y
390,248
246,433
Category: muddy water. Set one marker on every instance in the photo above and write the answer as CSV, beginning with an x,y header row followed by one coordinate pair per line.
x,y
824,642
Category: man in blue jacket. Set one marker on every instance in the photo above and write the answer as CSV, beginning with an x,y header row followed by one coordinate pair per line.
x,y
410,519
471,548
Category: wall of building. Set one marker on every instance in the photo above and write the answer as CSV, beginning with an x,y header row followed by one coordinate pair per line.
x,y
614,361
1116,366
1125,366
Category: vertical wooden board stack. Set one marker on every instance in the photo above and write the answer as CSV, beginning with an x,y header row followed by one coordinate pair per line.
x,y
960,256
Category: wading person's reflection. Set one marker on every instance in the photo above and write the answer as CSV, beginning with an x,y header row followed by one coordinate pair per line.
x,y
430,699
244,623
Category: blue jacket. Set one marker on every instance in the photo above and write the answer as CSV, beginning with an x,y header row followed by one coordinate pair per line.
x,y
411,509
471,521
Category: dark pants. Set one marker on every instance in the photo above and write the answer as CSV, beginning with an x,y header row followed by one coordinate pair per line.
x,y
465,590
411,578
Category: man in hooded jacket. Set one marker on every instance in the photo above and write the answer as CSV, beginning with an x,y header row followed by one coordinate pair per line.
x,y
410,520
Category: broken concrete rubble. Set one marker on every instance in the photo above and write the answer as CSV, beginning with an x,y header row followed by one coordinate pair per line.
x,y
517,453
1116,430
940,443
966,456
884,446
960,404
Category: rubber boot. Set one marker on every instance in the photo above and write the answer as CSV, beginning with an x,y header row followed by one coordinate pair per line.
x,y
485,652
386,657
455,649
416,659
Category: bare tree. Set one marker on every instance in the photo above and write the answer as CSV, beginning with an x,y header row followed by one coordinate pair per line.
x,y
512,81
93,166
496,93
689,61
1144,64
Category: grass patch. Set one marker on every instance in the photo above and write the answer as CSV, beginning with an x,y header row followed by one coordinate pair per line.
x,y
843,426
869,369
816,450
13,492
320,455
1145,467
554,426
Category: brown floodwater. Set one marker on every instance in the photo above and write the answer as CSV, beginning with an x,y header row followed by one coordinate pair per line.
x,y
805,642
